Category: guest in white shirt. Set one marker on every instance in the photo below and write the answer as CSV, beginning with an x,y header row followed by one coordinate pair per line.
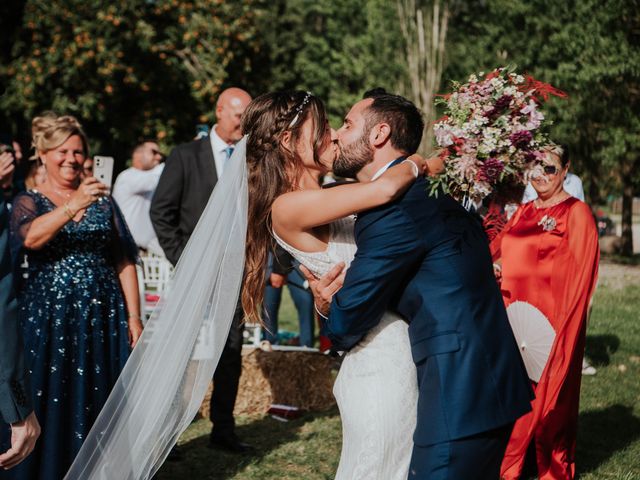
x,y
134,190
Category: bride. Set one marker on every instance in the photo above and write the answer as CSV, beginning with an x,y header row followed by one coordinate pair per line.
x,y
289,147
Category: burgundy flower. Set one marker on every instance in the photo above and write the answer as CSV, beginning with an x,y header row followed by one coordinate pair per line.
x,y
521,139
500,106
490,170
503,102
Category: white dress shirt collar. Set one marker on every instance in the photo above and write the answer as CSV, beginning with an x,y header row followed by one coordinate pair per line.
x,y
382,170
218,147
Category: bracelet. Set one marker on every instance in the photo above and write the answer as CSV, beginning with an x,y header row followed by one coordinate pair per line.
x,y
416,169
68,211
135,315
322,315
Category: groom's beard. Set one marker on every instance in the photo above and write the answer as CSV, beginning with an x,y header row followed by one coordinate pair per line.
x,y
353,157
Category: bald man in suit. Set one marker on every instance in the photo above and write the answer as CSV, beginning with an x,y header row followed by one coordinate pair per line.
x,y
190,175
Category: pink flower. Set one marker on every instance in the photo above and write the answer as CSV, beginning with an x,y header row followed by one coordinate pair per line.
x,y
535,117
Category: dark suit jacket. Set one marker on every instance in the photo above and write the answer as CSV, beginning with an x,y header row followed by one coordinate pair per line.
x,y
428,258
183,191
15,390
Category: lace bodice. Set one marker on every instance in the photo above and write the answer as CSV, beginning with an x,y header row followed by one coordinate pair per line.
x,y
341,248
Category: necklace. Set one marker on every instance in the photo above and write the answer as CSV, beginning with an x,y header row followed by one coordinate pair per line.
x,y
538,202
60,194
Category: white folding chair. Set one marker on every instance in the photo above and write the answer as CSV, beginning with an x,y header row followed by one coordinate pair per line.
x,y
252,334
156,274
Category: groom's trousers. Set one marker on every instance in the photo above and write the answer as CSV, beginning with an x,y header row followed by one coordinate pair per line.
x,y
472,458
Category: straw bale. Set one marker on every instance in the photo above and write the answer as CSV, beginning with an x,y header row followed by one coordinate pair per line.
x,y
300,379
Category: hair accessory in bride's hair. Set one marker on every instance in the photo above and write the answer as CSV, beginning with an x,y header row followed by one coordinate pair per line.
x,y
300,108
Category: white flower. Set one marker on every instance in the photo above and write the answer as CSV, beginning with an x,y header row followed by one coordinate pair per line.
x,y
443,135
548,223
535,172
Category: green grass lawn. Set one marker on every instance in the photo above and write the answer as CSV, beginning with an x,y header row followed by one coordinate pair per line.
x,y
309,448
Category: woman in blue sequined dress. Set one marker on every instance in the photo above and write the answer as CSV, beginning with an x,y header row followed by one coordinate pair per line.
x,y
79,305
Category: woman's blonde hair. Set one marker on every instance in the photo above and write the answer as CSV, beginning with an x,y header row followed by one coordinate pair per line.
x,y
49,131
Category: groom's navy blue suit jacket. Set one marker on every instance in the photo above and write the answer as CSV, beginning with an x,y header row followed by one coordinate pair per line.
x,y
428,258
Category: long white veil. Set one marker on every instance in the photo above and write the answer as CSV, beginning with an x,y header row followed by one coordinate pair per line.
x,y
166,377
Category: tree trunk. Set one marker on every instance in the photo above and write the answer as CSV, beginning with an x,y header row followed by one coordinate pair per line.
x,y
627,216
424,29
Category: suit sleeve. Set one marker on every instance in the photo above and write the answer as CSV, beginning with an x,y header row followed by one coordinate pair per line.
x,y
389,250
15,402
165,207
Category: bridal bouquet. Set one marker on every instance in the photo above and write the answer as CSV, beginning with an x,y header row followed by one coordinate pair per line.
x,y
491,133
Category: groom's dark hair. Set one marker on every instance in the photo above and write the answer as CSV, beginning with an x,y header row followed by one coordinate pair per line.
x,y
403,117
375,92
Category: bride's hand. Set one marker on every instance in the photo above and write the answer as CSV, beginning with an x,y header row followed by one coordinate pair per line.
x,y
421,162
429,166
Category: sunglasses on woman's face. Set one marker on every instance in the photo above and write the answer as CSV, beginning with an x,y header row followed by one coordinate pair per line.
x,y
550,169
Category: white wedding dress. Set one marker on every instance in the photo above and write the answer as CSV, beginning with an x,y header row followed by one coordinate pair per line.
x,y
376,388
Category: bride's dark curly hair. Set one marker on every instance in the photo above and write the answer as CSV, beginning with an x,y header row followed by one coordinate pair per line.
x,y
273,170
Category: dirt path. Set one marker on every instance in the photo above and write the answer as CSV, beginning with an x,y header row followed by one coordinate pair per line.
x,y
618,276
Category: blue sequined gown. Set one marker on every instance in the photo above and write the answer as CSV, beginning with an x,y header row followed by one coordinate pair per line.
x,y
74,322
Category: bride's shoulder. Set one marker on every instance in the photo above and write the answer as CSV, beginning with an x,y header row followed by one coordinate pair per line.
x,y
285,205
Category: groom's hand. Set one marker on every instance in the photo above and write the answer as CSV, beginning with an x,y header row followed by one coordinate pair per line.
x,y
325,287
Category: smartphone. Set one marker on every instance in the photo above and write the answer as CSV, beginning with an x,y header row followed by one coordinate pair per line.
x,y
103,169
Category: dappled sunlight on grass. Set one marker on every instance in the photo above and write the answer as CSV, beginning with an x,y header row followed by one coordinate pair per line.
x,y
309,448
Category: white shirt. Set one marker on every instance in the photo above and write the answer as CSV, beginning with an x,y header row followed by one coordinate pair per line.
x,y
219,149
382,170
133,191
572,185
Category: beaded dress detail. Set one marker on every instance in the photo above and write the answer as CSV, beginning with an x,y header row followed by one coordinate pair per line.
x,y
74,323
376,388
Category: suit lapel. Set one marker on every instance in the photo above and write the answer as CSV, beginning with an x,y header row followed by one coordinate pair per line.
x,y
361,219
207,163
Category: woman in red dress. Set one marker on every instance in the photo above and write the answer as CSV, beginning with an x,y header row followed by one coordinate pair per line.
x,y
548,255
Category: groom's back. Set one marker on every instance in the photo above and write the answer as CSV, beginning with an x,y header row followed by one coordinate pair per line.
x,y
459,328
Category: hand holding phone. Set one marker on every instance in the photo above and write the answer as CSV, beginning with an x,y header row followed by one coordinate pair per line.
x,y
103,169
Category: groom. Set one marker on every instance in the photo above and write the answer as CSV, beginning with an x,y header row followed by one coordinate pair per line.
x,y
428,258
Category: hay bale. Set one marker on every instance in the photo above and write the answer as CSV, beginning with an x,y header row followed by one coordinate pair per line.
x,y
300,379
610,244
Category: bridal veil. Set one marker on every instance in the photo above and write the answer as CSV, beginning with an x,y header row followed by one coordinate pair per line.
x,y
166,377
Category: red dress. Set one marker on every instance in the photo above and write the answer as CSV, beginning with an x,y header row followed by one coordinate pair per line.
x,y
550,260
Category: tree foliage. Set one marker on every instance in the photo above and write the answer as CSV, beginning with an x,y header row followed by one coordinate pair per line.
x,y
132,69
124,68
